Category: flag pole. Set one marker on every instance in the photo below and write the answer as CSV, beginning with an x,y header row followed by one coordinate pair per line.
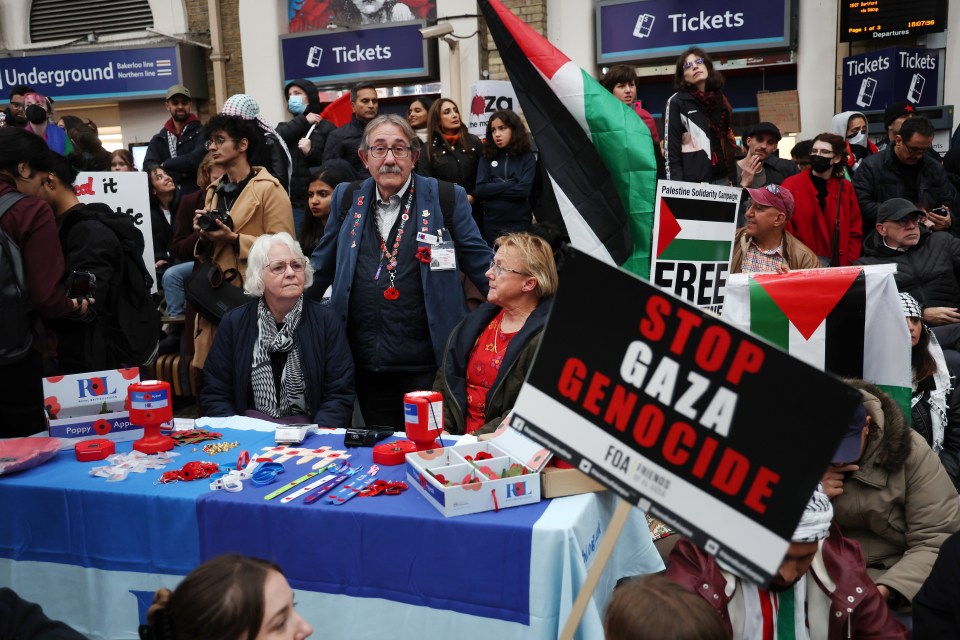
x,y
615,527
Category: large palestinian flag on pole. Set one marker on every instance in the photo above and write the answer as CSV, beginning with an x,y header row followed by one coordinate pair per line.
x,y
597,151
846,320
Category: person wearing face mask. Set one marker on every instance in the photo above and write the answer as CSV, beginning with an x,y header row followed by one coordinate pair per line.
x,y
826,217
852,126
35,107
306,136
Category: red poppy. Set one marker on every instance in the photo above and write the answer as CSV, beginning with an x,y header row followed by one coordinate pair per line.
x,y
423,255
97,386
52,406
391,293
102,427
483,455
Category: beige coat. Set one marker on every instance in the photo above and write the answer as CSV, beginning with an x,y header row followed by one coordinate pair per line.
x,y
263,207
796,254
901,505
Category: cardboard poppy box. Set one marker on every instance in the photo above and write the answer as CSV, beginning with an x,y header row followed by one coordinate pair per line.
x,y
90,405
498,473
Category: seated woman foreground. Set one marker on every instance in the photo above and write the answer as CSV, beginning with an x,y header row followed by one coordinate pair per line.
x,y
280,356
489,353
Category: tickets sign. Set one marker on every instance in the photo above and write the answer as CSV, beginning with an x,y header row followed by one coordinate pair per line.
x,y
713,431
125,192
693,230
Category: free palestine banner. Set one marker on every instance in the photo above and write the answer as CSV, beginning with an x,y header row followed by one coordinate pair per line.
x,y
694,228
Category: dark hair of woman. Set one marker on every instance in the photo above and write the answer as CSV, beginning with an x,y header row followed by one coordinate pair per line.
x,y
311,227
618,74
18,145
426,101
126,156
714,77
435,130
519,138
839,146
921,359
653,607
222,599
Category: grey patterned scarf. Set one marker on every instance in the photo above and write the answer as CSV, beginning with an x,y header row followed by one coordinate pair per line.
x,y
292,400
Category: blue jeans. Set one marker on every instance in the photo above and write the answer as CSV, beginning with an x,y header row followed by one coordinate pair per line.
x,y
173,287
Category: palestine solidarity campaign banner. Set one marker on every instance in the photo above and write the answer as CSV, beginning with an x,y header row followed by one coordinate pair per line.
x,y
700,424
694,228
845,320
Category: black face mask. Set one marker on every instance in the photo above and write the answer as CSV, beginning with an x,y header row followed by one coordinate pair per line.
x,y
820,163
36,114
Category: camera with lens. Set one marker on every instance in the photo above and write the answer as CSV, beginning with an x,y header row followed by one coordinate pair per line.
x,y
208,221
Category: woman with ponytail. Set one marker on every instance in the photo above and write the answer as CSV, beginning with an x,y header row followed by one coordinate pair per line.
x,y
230,597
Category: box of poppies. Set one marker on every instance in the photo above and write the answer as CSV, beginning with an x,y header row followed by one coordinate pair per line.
x,y
498,473
90,405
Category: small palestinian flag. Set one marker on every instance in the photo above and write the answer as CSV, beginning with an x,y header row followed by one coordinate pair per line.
x,y
598,153
693,230
844,320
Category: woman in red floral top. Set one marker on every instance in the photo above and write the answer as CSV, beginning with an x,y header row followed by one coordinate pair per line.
x,y
488,354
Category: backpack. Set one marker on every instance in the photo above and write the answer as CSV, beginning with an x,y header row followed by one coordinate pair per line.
x,y
447,202
136,334
16,319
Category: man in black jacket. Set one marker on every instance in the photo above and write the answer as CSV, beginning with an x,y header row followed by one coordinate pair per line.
x,y
88,246
762,166
306,136
344,142
928,263
906,170
178,147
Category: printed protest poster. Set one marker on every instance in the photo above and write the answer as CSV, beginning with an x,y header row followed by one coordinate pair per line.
x,y
694,227
124,192
829,318
488,96
702,425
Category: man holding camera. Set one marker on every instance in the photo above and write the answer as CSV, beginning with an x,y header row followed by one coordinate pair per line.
x,y
905,169
244,204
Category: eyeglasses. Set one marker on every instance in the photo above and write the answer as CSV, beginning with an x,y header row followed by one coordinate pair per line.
x,y
499,269
688,64
914,151
910,220
218,142
279,267
398,151
826,153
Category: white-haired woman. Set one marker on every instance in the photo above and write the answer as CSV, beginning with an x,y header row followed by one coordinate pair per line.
x,y
280,355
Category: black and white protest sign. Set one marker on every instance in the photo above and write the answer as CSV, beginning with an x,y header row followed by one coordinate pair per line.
x,y
704,426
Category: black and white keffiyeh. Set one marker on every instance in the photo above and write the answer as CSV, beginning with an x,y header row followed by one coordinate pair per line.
x,y
292,400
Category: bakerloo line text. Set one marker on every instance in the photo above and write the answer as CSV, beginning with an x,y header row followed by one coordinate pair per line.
x,y
664,383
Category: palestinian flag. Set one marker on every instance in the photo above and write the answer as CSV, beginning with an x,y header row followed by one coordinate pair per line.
x,y
597,151
843,320
691,230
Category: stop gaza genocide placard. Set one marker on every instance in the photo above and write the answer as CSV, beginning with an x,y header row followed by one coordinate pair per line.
x,y
708,428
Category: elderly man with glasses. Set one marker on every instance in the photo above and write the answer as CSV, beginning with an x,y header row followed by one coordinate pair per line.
x,y
905,169
928,264
764,245
393,250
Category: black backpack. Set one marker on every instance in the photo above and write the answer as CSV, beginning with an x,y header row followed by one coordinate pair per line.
x,y
136,336
16,317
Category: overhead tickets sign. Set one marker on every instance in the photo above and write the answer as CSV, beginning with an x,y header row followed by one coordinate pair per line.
x,y
693,230
708,428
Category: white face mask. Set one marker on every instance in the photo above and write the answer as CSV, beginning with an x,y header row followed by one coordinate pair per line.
x,y
859,139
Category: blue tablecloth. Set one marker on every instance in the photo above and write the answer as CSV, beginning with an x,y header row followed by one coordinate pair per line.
x,y
78,543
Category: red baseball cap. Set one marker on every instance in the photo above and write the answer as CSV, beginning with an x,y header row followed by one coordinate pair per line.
x,y
773,195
